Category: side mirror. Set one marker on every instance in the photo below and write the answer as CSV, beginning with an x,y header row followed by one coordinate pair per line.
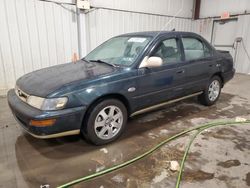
x,y
151,62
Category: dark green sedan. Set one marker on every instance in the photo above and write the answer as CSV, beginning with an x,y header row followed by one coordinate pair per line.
x,y
125,76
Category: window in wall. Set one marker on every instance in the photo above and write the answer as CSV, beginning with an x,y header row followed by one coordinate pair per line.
x,y
168,51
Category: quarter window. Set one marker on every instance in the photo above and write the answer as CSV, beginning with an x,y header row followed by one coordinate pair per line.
x,y
168,51
194,49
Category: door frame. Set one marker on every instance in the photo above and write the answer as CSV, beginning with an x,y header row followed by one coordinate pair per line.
x,y
213,31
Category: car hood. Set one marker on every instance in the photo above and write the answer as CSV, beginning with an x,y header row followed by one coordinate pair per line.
x,y
45,81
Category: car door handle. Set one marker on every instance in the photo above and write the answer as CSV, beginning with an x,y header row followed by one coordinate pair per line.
x,y
180,71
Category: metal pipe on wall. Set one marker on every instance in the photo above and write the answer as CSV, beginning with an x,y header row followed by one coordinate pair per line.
x,y
78,12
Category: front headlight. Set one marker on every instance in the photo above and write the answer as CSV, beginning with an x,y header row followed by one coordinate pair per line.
x,y
47,104
36,102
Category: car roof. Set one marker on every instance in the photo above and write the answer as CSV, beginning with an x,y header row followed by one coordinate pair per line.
x,y
158,33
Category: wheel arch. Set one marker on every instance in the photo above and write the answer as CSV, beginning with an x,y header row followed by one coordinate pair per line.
x,y
117,96
219,74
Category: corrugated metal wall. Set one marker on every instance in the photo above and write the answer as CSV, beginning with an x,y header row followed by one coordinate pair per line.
x,y
103,24
242,62
203,27
33,35
210,8
166,7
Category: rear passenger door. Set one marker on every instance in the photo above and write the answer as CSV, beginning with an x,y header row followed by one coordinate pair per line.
x,y
198,63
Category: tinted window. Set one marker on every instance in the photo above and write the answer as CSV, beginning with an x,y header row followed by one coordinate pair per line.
x,y
168,51
207,51
194,49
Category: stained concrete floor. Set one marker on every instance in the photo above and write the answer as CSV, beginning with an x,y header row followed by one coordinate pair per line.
x,y
219,157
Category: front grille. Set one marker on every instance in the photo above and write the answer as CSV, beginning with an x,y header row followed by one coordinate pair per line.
x,y
21,94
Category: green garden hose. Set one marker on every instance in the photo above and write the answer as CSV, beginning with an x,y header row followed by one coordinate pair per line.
x,y
199,130
126,163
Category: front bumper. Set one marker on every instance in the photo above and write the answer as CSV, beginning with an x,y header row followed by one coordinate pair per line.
x,y
68,121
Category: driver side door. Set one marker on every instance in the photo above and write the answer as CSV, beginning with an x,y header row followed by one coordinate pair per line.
x,y
158,84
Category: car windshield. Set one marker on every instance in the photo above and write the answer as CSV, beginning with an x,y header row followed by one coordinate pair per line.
x,y
119,51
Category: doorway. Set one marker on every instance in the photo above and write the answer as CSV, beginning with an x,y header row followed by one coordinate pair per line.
x,y
224,34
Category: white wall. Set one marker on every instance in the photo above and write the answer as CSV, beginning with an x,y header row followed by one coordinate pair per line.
x,y
103,24
36,34
242,62
166,7
210,8
33,35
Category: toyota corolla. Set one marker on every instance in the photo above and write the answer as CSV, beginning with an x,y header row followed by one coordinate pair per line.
x,y
125,76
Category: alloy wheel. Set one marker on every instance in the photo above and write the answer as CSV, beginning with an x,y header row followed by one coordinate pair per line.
x,y
108,122
214,90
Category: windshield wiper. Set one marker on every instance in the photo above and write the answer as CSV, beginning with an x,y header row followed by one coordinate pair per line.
x,y
101,61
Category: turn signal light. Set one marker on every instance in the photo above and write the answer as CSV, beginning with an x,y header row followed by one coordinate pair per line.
x,y
42,123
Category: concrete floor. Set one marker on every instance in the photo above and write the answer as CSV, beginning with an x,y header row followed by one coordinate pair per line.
x,y
219,157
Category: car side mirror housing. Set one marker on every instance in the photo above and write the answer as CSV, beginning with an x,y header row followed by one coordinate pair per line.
x,y
151,62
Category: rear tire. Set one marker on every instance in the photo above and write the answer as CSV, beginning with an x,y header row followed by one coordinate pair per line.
x,y
105,122
212,92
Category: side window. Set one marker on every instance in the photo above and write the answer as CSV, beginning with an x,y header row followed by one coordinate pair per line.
x,y
194,49
207,51
168,51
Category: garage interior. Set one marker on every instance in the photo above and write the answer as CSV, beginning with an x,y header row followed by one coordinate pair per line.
x,y
35,34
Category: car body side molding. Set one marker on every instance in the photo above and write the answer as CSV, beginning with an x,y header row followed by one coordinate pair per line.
x,y
164,103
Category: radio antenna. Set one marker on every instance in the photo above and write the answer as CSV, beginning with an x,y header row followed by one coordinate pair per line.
x,y
169,21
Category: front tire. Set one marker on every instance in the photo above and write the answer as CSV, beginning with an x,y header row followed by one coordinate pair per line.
x,y
212,92
105,122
